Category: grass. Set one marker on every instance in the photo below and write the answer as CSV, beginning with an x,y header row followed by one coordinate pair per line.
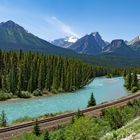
x,y
24,119
27,119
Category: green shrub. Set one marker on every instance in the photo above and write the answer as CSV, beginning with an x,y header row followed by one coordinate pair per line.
x,y
134,89
109,76
115,118
37,92
46,92
24,94
4,96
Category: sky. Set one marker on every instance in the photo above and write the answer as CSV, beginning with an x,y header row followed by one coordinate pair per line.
x,y
52,19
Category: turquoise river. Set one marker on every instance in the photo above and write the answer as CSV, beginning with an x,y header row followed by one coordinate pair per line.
x,y
104,90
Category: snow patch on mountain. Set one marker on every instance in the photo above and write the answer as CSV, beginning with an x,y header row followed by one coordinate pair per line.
x,y
65,42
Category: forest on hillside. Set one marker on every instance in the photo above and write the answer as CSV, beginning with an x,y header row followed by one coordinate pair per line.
x,y
23,74
31,71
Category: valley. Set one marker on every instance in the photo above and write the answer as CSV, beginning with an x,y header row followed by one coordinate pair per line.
x,y
69,70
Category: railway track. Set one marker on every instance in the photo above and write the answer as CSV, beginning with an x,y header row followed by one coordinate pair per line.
x,y
53,122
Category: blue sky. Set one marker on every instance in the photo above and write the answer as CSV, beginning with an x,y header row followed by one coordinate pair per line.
x,y
51,19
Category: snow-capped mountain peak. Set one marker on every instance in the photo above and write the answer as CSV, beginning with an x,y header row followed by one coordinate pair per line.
x,y
95,34
65,42
71,39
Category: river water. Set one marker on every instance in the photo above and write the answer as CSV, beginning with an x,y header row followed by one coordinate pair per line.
x,y
104,89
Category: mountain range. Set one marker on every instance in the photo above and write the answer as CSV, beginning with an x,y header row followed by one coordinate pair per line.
x,y
15,37
93,44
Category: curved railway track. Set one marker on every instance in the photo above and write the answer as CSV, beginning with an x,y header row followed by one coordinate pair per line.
x,y
53,122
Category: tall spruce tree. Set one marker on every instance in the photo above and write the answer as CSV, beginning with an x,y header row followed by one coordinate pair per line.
x,y
46,135
128,81
41,77
36,130
92,101
3,119
134,80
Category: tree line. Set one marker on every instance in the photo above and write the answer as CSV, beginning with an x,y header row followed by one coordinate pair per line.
x,y
23,73
32,71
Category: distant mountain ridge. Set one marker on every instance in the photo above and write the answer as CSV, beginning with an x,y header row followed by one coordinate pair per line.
x,y
93,44
15,37
135,43
89,44
119,47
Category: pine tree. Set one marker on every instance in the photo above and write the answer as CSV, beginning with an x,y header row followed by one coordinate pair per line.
x,y
56,78
3,119
41,77
92,101
12,80
5,86
31,81
79,114
19,84
128,81
134,80
72,120
36,130
46,135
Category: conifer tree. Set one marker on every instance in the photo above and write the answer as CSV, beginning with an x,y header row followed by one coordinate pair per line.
x,y
92,101
19,84
134,80
3,119
31,81
56,79
36,130
12,80
79,114
41,77
46,135
128,81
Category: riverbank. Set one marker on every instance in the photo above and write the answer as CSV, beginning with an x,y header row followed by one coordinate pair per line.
x,y
28,119
46,93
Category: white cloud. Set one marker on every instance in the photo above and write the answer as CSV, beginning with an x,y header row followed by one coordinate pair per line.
x,y
59,25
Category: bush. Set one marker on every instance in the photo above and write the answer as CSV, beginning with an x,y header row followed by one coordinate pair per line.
x,y
4,96
37,92
46,92
109,76
134,89
115,118
24,94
